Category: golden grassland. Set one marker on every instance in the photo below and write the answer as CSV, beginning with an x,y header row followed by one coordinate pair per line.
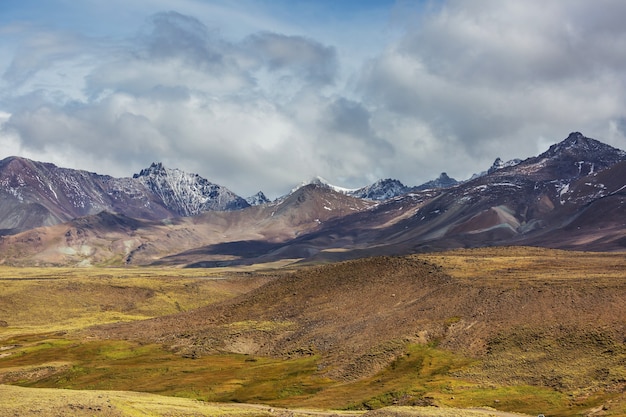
x,y
525,264
42,310
47,401
43,300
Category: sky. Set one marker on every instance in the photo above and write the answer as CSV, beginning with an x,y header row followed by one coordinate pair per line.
x,y
264,94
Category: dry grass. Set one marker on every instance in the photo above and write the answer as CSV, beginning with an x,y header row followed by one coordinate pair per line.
x,y
43,300
54,402
439,412
493,266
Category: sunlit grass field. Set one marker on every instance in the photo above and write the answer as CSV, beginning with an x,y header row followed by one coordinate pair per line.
x,y
41,300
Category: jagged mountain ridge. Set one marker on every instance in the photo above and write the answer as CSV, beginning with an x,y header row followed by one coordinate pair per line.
x,y
532,202
206,239
443,181
257,199
36,194
520,204
385,189
499,164
188,194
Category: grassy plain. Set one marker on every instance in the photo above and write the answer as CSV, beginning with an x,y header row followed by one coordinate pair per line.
x,y
42,300
42,313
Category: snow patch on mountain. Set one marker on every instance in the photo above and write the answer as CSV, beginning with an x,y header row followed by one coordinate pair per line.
x,y
324,183
576,144
500,164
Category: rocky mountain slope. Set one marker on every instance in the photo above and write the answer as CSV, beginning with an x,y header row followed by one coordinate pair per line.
x,y
551,200
526,203
36,194
381,190
211,238
388,188
187,194
443,181
571,196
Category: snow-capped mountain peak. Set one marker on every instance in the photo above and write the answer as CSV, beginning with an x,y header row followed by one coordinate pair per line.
x,y
257,199
319,181
381,190
500,164
187,194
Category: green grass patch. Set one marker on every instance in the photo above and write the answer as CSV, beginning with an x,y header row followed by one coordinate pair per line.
x,y
524,399
408,380
122,365
423,375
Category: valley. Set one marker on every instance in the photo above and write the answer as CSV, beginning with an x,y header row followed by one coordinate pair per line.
x,y
514,329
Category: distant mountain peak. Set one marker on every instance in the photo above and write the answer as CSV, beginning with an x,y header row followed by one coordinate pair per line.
x,y
578,145
383,189
158,169
188,194
257,199
575,136
443,181
579,141
322,182
154,168
500,164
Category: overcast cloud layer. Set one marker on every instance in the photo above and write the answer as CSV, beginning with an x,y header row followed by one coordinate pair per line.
x,y
258,95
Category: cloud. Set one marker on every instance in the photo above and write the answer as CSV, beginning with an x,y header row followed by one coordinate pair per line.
x,y
295,54
172,53
490,42
39,55
446,88
181,94
486,74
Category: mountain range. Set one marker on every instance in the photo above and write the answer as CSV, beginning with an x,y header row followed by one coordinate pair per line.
x,y
571,197
34,194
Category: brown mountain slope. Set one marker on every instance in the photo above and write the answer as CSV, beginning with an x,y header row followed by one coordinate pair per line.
x,y
115,239
551,308
519,205
34,194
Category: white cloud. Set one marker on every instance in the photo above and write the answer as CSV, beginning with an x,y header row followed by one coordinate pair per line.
x,y
452,90
491,75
